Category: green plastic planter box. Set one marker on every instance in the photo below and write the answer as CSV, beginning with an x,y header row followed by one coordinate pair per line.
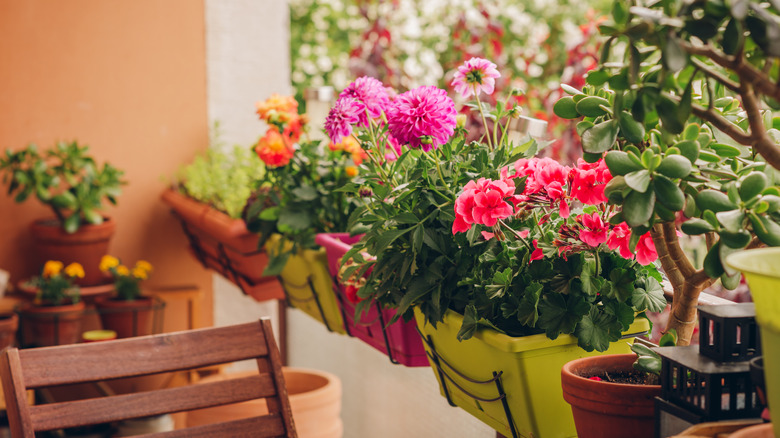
x,y
762,271
307,285
526,369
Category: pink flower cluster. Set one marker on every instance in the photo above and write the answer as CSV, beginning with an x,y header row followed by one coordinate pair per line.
x,y
483,202
424,117
549,186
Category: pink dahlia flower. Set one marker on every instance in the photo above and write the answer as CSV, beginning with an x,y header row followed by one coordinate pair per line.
x,y
341,117
595,231
477,72
482,202
371,97
422,118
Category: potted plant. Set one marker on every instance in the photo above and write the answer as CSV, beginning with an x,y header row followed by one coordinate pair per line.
x,y
684,114
208,200
510,264
68,181
612,394
298,198
128,313
54,316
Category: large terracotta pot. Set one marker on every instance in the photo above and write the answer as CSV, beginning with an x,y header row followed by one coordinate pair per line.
x,y
45,326
608,410
86,246
224,244
315,398
127,318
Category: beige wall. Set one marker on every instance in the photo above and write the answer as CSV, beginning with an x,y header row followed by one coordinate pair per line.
x,y
127,78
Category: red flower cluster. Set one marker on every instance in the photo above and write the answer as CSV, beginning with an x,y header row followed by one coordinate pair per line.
x,y
275,148
547,188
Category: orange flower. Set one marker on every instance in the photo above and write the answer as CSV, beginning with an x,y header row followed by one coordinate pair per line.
x,y
351,146
351,171
74,270
294,127
52,268
281,106
273,150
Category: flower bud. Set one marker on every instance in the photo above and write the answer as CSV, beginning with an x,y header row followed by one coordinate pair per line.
x,y
460,121
426,139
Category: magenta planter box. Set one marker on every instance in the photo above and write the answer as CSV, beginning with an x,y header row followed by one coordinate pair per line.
x,y
400,341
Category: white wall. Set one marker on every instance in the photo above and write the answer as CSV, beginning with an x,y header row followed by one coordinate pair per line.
x,y
248,59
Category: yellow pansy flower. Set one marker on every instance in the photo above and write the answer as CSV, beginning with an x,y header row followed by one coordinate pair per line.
x,y
52,268
74,270
139,273
122,270
143,265
107,262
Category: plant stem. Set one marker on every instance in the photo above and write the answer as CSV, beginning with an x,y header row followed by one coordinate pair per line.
x,y
482,114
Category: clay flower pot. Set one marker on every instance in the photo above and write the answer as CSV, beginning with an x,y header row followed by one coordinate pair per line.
x,y
604,409
224,244
45,326
9,323
315,398
127,318
86,246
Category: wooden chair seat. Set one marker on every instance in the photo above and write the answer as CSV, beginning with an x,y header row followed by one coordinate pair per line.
x,y
34,368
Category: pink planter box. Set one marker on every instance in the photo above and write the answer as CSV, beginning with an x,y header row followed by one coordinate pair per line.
x,y
400,341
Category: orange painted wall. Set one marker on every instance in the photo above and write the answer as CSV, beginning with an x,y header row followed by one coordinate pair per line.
x,y
128,78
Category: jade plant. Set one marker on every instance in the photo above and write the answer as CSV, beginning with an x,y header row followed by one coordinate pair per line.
x,y
64,178
680,108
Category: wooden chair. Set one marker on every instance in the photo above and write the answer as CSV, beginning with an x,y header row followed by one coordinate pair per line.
x,y
21,370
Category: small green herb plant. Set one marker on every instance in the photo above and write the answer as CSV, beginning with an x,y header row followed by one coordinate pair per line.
x,y
64,178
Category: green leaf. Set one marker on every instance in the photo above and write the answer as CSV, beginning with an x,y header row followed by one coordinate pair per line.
x,y
714,200
619,163
270,214
527,310
620,12
638,207
632,130
731,220
306,193
92,216
596,330
674,56
296,219
689,149
766,229
638,180
696,226
472,322
675,166
668,193
592,106
565,108
752,185
712,263
276,263
600,137
72,223
558,315
668,112
650,298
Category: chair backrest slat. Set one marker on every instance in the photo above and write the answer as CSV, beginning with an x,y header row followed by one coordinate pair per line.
x,y
268,426
22,370
145,404
142,355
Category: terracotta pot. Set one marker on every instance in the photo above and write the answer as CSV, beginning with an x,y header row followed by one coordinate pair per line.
x,y
86,246
224,244
608,410
9,323
127,318
315,397
44,326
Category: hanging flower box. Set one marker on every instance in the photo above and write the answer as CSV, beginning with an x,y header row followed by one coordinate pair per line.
x,y
400,341
224,245
307,285
512,384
